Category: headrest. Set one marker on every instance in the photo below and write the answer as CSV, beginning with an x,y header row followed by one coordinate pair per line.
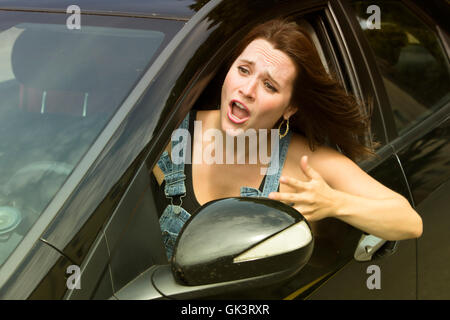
x,y
50,56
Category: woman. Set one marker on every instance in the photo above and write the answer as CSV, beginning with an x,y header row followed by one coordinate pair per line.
x,y
277,80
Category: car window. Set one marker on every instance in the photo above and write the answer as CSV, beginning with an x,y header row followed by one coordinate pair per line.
x,y
411,60
58,89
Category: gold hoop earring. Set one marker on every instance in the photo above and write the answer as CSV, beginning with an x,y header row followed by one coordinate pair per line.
x,y
287,128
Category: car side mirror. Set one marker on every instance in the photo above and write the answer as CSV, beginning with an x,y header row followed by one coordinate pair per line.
x,y
229,245
238,238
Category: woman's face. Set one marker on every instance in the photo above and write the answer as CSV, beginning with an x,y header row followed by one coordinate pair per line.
x,y
258,88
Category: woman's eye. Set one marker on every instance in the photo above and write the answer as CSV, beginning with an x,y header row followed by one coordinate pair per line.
x,y
270,87
243,70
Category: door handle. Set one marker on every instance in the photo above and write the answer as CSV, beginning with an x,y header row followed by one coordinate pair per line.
x,y
367,246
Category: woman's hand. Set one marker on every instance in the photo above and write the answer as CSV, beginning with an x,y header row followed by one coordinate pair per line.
x,y
355,198
314,199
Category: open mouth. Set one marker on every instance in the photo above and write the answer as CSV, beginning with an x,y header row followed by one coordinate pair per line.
x,y
238,112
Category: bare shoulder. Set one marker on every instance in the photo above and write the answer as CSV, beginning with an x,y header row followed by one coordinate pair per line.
x,y
324,159
341,172
298,147
333,166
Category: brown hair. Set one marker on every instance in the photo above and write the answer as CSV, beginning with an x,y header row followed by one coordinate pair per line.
x,y
326,112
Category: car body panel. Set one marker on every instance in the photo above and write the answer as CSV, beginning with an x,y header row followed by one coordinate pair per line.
x,y
433,253
175,9
43,267
398,272
94,269
100,218
425,159
423,152
133,234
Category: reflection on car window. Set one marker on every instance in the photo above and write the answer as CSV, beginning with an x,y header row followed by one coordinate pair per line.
x,y
58,89
411,60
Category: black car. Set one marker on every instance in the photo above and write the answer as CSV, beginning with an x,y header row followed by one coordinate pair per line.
x,y
91,91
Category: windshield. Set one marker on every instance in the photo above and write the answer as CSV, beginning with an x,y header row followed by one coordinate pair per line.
x,y
58,89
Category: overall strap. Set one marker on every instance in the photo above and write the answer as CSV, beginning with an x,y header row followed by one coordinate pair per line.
x,y
174,170
273,172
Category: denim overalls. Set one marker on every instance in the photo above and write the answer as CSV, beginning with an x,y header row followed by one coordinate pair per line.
x,y
174,216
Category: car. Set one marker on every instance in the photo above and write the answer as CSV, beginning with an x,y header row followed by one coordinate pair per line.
x,y
90,94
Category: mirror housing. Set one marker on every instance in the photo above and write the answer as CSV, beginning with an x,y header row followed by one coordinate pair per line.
x,y
238,238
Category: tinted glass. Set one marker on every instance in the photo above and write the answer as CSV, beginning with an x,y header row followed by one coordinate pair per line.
x,y
411,60
58,89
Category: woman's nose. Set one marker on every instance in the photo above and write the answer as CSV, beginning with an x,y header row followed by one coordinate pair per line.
x,y
249,89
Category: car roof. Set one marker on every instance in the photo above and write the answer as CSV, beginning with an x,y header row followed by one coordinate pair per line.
x,y
181,9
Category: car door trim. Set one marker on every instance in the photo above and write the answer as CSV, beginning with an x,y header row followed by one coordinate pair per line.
x,y
432,121
99,13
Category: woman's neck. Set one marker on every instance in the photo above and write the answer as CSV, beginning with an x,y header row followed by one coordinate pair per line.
x,y
250,147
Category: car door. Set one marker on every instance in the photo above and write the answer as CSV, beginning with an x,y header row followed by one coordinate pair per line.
x,y
334,250
416,77
413,68
208,61
396,273
333,255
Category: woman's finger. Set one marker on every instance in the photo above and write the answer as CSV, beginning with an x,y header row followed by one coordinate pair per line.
x,y
294,183
285,197
308,170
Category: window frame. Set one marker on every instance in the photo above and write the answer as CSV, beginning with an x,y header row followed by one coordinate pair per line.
x,y
361,66
423,124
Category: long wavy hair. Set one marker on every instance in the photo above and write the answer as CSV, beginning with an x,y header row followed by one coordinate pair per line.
x,y
326,112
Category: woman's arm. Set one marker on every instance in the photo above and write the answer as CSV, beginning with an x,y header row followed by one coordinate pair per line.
x,y
389,219
338,188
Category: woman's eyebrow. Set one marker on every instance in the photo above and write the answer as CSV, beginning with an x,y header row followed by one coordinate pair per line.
x,y
266,73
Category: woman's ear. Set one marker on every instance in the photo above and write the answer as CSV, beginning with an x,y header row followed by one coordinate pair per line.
x,y
289,112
